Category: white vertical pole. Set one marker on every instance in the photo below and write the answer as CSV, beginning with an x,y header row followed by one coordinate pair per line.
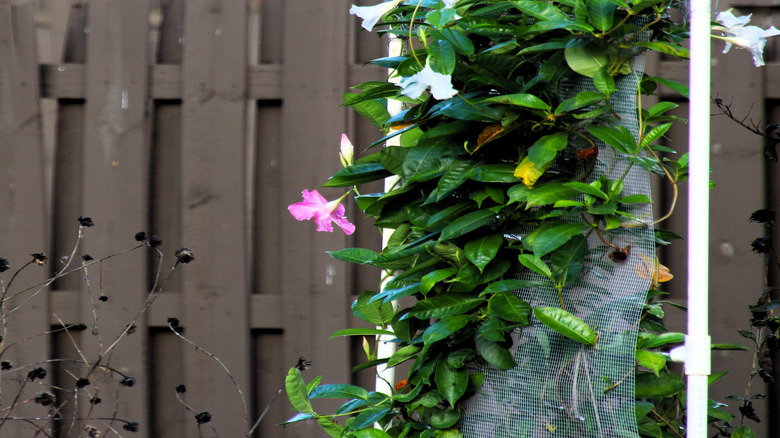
x,y
697,342
386,376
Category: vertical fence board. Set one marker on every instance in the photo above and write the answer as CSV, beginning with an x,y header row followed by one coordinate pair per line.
x,y
22,198
115,188
314,287
213,184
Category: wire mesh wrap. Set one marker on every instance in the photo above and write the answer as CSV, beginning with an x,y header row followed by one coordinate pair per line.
x,y
561,388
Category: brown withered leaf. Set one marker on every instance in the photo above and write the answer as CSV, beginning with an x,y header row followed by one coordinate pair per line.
x,y
490,133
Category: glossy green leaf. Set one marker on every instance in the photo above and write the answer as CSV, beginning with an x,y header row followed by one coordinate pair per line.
x,y
477,112
368,417
720,346
361,256
546,148
509,307
445,327
520,99
357,174
297,392
673,85
655,133
339,390
587,60
549,194
535,264
509,285
651,360
667,48
541,10
547,26
297,418
361,331
372,311
494,354
601,13
620,138
451,382
442,56
667,338
483,250
445,305
403,354
332,428
648,385
445,216
604,82
370,433
568,260
430,279
588,189
556,236
454,177
466,224
498,173
422,163
442,419
460,41
566,324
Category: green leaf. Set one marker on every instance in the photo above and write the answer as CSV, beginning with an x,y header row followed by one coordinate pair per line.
x,y
403,354
541,10
361,331
298,417
484,249
430,279
566,324
464,110
743,432
548,194
651,360
587,60
372,311
357,174
535,264
368,417
673,85
604,82
667,48
451,382
665,339
445,305
442,55
507,306
453,178
361,256
369,433
729,347
620,138
655,133
493,353
553,237
445,216
339,390
587,189
442,419
509,285
296,392
467,224
520,99
331,427
601,13
498,173
460,41
422,163
546,148
648,385
445,327
568,260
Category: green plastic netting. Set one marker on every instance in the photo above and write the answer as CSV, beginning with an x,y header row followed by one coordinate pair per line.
x,y
561,388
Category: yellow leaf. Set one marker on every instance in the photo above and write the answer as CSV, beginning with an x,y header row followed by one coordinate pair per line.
x,y
528,172
550,427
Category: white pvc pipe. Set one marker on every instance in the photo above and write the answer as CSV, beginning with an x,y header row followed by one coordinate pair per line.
x,y
697,342
385,377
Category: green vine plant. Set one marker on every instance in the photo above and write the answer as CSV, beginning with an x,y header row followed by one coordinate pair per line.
x,y
493,140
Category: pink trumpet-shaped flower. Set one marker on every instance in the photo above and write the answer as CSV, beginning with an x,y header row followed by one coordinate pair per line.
x,y
323,212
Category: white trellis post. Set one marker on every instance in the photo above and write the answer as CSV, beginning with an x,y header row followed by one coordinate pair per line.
x,y
697,341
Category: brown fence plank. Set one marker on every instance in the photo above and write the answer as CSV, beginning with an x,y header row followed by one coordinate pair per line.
x,y
115,185
213,183
23,225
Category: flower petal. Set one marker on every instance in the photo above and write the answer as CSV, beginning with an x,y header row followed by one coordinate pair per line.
x,y
372,14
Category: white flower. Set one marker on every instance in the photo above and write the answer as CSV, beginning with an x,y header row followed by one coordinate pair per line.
x,y
347,151
449,4
372,14
736,33
440,85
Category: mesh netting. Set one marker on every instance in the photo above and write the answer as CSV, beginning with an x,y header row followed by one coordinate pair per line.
x,y
561,388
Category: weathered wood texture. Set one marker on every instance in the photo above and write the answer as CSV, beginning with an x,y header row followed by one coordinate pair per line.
x,y
200,121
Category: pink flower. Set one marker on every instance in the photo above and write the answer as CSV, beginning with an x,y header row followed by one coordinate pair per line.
x,y
323,212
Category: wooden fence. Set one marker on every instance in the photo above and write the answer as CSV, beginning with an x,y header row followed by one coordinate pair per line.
x,y
199,121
